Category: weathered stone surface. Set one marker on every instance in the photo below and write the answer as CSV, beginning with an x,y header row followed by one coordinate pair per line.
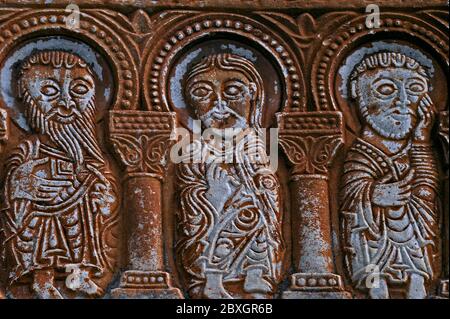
x,y
137,160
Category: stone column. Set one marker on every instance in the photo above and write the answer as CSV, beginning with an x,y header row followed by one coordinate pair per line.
x,y
444,133
142,140
310,141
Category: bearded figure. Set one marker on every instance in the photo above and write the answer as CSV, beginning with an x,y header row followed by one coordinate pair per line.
x,y
230,242
60,199
390,182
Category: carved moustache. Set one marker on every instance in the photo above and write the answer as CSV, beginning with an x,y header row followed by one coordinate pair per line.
x,y
401,111
221,111
54,111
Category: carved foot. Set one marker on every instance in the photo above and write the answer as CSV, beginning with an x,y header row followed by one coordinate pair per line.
x,y
47,291
90,288
43,285
255,283
80,281
416,288
214,287
381,291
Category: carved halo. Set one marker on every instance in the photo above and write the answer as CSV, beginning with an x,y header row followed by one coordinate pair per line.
x,y
343,41
162,56
30,24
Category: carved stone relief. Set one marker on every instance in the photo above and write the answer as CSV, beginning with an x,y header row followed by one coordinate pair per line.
x,y
167,150
60,202
390,185
230,218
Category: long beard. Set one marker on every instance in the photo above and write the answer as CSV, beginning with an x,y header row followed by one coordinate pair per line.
x,y
76,139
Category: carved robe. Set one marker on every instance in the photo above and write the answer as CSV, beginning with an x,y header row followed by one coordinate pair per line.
x,y
63,230
389,241
245,233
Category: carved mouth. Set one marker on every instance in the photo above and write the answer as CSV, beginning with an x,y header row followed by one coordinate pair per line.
x,y
403,112
64,116
65,113
220,116
400,117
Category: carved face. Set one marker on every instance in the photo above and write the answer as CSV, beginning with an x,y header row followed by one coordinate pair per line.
x,y
389,99
58,91
62,94
221,98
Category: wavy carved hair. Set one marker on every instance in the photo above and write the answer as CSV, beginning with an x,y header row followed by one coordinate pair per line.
x,y
232,62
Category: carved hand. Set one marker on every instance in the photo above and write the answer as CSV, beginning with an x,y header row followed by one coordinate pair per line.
x,y
25,184
103,197
221,186
393,194
426,113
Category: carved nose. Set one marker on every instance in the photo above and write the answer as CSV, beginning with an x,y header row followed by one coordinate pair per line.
x,y
219,103
403,102
66,103
403,99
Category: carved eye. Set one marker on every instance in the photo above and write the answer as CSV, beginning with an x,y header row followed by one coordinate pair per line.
x,y
233,91
386,89
416,87
201,92
49,90
80,89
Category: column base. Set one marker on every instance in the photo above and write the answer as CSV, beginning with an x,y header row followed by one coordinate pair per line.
x,y
443,289
316,286
136,284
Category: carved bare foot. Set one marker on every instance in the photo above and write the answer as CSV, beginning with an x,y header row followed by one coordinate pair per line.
x,y
91,288
416,288
380,292
43,285
214,287
255,283
79,280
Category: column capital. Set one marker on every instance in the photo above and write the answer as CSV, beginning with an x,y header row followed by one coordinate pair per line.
x,y
141,140
310,140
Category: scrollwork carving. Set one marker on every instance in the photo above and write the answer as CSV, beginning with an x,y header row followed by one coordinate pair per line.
x,y
228,240
310,140
142,140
